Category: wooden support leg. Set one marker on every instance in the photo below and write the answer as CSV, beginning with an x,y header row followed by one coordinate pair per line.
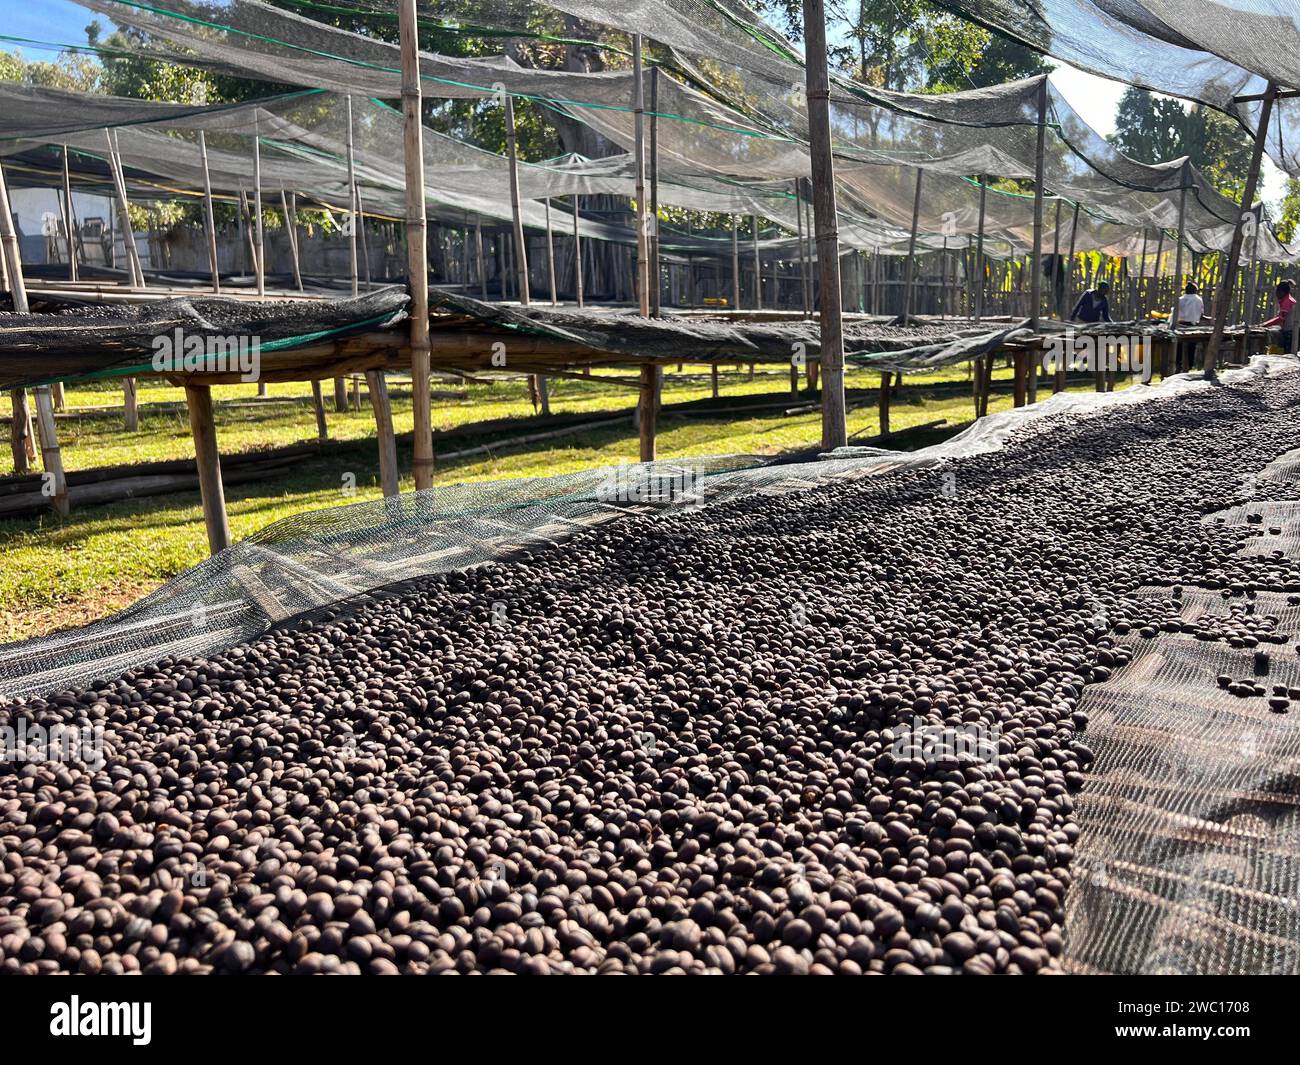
x,y
812,374
544,395
340,395
794,381
20,433
208,460
318,402
356,393
646,411
751,371
388,479
1019,363
534,393
713,379
885,391
977,382
60,400
1058,384
51,457
130,405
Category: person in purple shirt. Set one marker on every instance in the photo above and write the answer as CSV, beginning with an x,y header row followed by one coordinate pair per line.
x,y
1093,305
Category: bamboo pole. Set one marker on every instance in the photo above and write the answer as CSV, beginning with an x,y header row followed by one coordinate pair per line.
x,y
291,231
638,155
521,252
911,249
834,427
259,244
352,199
416,247
1036,276
128,233
360,217
758,265
1056,256
550,254
1182,233
1234,250
482,268
655,295
735,264
209,217
577,250
803,267
979,255
69,219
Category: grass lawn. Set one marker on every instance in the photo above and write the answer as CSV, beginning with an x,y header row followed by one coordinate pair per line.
x,y
55,574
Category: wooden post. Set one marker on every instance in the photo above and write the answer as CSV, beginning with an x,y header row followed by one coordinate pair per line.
x,y
713,378
646,411
69,219
577,250
885,392
318,405
758,266
655,295
638,155
521,251
22,446
1221,304
291,231
51,456
834,413
341,395
911,249
130,405
417,257
383,411
259,244
979,255
209,219
1069,272
550,254
208,462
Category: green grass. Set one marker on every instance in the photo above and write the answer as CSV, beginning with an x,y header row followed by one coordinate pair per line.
x,y
60,573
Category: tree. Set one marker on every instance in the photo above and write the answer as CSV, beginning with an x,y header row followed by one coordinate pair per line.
x,y
911,45
1155,129
1290,220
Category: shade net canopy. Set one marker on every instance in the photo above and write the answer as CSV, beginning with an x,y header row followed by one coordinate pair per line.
x,y
1211,51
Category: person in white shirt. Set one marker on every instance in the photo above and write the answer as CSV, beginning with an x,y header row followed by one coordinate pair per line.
x,y
1190,311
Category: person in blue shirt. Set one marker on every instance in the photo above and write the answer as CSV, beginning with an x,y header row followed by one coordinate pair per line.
x,y
1093,305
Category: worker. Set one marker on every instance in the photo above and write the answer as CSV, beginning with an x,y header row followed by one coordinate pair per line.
x,y
1279,326
1190,311
1093,305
